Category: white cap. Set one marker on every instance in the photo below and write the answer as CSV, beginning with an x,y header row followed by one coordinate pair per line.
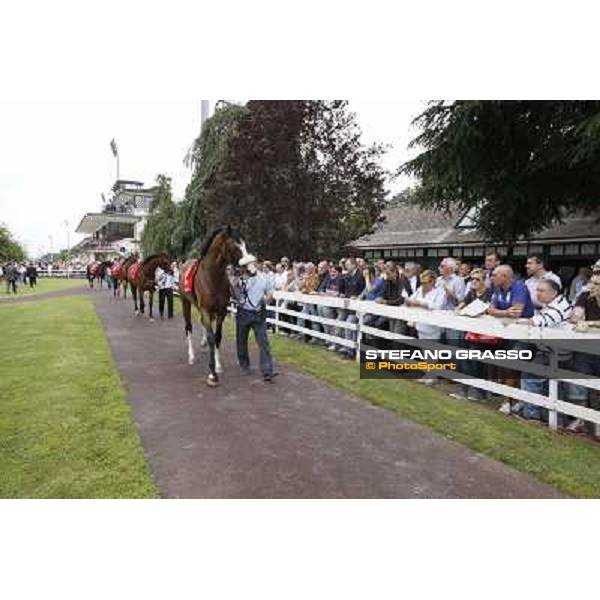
x,y
246,260
596,265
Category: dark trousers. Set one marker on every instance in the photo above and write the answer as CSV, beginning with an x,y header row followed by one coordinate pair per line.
x,y
32,281
245,321
168,294
10,284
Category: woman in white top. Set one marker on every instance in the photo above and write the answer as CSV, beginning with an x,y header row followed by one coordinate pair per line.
x,y
430,297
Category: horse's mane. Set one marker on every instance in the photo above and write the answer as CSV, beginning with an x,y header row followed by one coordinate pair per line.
x,y
209,240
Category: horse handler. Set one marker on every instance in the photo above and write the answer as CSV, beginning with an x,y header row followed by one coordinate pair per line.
x,y
253,290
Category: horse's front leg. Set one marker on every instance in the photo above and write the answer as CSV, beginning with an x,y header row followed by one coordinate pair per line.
x,y
150,303
212,379
203,340
218,337
134,295
141,298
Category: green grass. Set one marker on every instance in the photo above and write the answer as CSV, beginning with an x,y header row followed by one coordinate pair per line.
x,y
65,426
43,285
570,463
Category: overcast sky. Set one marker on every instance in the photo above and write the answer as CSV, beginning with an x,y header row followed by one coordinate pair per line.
x,y
55,159
67,91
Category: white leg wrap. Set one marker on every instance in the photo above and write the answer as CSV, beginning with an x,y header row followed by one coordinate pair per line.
x,y
191,356
218,365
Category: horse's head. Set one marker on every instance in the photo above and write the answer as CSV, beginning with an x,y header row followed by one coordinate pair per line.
x,y
164,262
227,243
151,263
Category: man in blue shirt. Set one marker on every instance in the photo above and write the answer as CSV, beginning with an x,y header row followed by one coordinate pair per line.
x,y
253,291
511,298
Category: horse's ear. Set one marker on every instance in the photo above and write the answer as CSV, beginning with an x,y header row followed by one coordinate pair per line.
x,y
228,230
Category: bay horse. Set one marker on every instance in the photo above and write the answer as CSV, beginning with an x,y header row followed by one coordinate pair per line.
x,y
90,273
100,271
208,289
120,274
141,279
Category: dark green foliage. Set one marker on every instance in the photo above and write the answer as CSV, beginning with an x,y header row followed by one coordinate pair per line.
x,y
10,249
524,164
208,158
158,232
292,175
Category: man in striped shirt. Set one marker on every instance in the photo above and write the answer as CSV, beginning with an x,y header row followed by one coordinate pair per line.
x,y
555,308
554,312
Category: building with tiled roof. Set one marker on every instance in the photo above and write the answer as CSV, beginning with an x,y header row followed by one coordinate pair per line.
x,y
409,232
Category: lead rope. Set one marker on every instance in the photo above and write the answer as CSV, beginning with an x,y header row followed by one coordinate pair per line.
x,y
245,292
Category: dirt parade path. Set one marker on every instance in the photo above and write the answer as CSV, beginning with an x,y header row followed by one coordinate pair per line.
x,y
296,438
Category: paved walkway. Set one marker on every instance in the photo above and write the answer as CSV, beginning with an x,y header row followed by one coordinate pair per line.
x,y
297,438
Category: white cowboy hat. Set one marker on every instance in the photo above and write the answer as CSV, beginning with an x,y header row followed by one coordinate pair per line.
x,y
246,260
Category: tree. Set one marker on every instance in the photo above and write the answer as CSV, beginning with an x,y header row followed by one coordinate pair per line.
x,y
519,166
158,232
292,175
207,158
10,248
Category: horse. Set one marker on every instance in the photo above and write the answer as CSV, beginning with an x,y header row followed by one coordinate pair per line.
x,y
141,279
208,289
100,272
120,274
90,273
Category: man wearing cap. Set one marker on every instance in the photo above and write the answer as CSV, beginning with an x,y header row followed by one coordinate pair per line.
x,y
253,291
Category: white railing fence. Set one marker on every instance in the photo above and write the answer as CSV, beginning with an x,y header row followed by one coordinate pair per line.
x,y
62,274
562,339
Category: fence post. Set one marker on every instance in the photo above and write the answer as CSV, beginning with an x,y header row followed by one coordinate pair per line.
x,y
553,390
277,315
359,323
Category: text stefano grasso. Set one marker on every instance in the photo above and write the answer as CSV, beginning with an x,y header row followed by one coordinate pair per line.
x,y
461,354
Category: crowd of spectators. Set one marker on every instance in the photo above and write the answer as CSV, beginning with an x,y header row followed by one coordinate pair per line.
x,y
15,274
539,298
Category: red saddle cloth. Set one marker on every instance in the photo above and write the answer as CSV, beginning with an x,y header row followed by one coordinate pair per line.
x,y
188,276
116,270
134,270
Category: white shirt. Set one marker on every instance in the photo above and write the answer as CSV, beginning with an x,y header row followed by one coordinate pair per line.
x,y
414,282
280,280
159,278
434,300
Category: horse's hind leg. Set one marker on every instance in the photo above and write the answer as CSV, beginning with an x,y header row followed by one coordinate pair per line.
x,y
186,307
150,303
134,294
141,300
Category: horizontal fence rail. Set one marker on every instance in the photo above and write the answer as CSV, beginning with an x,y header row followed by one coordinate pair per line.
x,y
62,274
563,339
